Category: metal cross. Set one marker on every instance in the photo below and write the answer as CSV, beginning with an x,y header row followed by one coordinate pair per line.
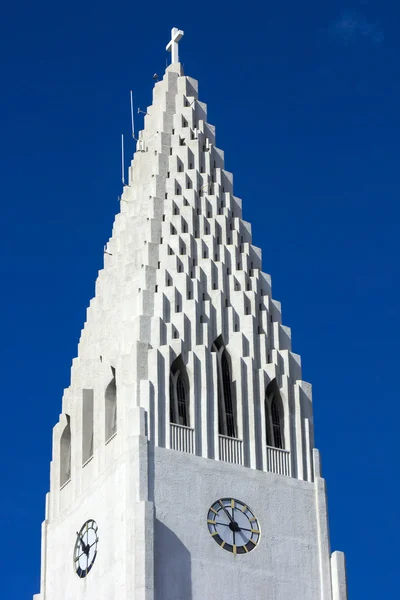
x,y
176,35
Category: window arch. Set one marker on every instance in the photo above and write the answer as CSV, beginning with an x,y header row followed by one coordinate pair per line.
x,y
274,420
111,407
226,409
65,453
179,393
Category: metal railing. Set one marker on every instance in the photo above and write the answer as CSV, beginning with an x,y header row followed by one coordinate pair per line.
x,y
181,438
230,450
278,461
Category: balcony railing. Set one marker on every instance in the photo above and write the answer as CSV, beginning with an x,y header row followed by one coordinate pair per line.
x,y
182,438
278,461
230,450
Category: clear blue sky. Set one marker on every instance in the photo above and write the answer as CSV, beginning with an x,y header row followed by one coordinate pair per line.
x,y
306,98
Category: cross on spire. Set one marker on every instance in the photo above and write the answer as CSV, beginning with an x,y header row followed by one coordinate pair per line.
x,y
176,35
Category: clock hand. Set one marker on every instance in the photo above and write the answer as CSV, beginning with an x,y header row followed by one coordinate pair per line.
x,y
229,516
84,546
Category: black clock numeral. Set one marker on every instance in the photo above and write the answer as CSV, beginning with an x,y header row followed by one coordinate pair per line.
x,y
81,572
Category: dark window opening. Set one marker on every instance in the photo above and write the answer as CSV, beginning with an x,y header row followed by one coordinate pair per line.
x,y
276,424
226,380
179,393
273,415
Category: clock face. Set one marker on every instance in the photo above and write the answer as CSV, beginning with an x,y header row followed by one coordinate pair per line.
x,y
85,550
233,526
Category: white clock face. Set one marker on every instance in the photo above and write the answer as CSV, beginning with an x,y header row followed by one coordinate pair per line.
x,y
85,550
233,526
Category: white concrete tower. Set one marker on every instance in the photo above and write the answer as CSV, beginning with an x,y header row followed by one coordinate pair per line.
x,y
183,464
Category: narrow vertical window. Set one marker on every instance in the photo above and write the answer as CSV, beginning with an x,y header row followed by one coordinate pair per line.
x,y
65,453
274,416
87,425
179,393
181,399
228,404
111,407
268,425
276,424
226,409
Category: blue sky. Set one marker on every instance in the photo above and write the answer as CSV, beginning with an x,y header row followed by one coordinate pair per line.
x,y
305,98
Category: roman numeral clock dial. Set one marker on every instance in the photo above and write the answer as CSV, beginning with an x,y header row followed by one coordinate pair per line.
x,y
85,550
233,526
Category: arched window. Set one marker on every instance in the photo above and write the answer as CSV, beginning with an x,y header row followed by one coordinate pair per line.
x,y
111,407
65,454
273,416
179,393
226,410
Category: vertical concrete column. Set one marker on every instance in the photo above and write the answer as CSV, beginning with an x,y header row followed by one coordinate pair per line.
x,y
212,394
307,449
323,531
200,395
262,379
339,579
299,467
139,515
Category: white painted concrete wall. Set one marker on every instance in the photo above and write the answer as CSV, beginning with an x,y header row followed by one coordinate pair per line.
x,y
189,565
105,502
167,553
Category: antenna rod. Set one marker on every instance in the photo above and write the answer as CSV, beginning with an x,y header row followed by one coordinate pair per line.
x,y
132,118
122,159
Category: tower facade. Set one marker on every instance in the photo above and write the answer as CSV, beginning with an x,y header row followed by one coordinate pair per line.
x,y
183,463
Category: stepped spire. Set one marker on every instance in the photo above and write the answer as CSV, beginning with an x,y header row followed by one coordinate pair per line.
x,y
183,280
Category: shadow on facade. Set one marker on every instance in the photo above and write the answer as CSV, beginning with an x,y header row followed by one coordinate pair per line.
x,y
172,565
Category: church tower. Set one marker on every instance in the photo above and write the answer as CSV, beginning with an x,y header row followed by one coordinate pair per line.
x,y
183,462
